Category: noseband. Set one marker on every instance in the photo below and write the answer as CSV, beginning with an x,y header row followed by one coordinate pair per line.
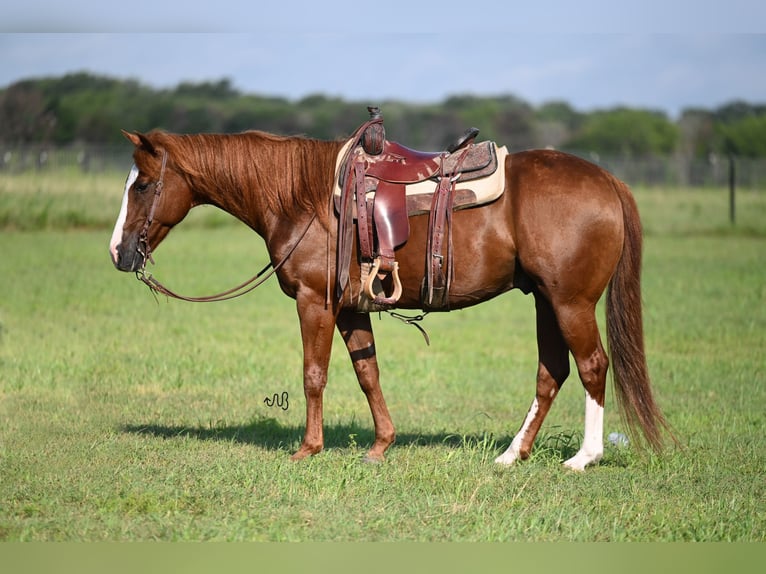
x,y
155,286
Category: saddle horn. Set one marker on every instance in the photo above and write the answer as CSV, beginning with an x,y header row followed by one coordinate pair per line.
x,y
375,134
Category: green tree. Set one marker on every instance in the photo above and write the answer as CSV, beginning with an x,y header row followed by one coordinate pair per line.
x,y
220,90
627,132
697,137
91,108
555,123
25,114
506,119
745,137
737,110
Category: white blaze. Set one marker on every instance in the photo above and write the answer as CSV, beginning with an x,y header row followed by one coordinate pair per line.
x,y
117,233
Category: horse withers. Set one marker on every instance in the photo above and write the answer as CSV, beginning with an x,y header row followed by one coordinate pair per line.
x,y
564,230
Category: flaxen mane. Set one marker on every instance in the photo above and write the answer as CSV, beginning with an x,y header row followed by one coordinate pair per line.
x,y
284,170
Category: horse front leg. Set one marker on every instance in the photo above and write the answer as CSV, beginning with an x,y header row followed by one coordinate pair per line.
x,y
317,330
356,330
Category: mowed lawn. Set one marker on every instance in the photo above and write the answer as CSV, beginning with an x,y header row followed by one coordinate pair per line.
x,y
123,417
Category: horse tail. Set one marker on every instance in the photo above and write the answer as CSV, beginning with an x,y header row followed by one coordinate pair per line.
x,y
625,333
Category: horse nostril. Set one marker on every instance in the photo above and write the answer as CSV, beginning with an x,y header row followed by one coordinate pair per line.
x,y
121,262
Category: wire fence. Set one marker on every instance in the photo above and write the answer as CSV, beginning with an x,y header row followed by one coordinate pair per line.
x,y
83,158
714,171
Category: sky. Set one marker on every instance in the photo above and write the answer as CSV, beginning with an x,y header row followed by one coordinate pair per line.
x,y
593,54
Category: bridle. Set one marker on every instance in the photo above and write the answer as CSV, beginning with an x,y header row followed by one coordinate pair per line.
x,y
143,243
156,287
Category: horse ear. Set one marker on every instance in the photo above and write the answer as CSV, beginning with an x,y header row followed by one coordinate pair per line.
x,y
132,137
139,140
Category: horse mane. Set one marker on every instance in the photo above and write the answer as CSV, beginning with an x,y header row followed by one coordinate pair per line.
x,y
291,173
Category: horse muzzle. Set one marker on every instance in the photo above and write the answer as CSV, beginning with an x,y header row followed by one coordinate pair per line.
x,y
127,256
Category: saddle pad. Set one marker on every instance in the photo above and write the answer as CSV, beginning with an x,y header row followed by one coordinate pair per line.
x,y
467,194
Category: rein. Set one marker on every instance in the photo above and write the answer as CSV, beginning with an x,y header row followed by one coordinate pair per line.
x,y
241,289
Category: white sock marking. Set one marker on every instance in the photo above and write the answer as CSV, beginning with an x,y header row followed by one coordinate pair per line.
x,y
592,448
512,453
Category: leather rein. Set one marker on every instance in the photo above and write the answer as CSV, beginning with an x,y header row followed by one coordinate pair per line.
x,y
156,287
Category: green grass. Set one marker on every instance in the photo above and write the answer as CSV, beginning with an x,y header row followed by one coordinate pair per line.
x,y
693,211
67,199
126,418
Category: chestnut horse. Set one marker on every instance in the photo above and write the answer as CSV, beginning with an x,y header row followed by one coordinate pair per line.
x,y
564,229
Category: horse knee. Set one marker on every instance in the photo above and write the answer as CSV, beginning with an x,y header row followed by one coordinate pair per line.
x,y
314,381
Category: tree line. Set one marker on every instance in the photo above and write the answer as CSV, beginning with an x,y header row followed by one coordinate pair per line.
x,y
92,109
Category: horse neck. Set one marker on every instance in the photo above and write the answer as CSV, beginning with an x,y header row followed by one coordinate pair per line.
x,y
264,180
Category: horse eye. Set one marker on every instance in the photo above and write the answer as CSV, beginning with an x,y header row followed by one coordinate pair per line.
x,y
140,187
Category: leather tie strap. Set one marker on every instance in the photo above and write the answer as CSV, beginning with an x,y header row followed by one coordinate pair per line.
x,y
363,219
439,268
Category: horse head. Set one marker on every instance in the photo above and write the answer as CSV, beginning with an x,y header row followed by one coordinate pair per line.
x,y
156,198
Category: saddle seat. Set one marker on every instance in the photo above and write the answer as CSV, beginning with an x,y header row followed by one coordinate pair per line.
x,y
400,164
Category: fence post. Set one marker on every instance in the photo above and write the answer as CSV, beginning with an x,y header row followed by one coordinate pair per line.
x,y
732,188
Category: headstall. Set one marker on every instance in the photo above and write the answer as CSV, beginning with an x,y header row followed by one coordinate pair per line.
x,y
156,287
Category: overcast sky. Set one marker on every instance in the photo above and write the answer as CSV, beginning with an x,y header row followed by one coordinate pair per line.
x,y
659,55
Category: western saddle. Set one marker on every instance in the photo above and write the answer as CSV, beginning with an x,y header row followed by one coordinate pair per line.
x,y
373,176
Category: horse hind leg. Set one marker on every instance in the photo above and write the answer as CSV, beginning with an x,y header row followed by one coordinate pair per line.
x,y
579,324
552,371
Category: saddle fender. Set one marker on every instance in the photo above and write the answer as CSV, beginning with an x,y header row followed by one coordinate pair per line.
x,y
390,213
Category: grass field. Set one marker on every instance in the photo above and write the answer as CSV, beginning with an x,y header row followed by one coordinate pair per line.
x,y
126,418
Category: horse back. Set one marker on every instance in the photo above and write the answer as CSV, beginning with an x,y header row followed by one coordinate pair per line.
x,y
558,222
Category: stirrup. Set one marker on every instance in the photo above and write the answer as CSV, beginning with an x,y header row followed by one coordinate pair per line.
x,y
379,300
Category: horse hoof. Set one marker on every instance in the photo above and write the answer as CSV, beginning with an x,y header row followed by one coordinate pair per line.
x,y
582,459
372,459
303,453
508,458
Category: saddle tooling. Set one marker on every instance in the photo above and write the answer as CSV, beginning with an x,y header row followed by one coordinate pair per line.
x,y
382,183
